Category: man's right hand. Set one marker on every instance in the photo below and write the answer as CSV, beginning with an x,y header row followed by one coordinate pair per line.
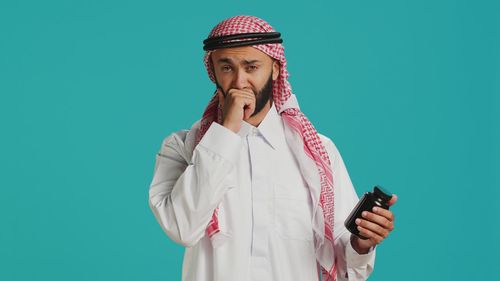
x,y
237,105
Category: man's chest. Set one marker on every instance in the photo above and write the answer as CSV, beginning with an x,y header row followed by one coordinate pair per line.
x,y
272,194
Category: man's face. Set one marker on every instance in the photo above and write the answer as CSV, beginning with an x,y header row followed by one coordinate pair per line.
x,y
245,68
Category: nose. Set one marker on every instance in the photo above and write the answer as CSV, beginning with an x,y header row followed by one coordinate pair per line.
x,y
240,80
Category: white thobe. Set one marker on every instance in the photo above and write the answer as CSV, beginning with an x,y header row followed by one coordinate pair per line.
x,y
267,207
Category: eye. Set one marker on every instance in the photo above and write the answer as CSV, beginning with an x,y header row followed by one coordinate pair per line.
x,y
252,67
226,68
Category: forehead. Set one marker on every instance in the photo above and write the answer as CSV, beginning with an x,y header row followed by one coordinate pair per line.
x,y
246,53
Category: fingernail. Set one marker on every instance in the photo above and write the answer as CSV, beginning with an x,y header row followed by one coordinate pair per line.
x,y
375,209
358,221
364,214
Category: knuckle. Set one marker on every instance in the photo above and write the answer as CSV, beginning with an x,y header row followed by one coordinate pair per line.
x,y
365,223
390,215
387,224
368,215
368,232
381,230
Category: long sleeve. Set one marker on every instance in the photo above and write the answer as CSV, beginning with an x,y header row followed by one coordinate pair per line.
x,y
186,190
351,265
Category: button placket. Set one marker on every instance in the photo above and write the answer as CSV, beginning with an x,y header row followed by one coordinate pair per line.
x,y
260,196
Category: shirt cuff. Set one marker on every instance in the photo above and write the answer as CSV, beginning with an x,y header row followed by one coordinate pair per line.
x,y
222,141
355,260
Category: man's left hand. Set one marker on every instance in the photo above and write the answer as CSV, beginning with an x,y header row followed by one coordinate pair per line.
x,y
375,226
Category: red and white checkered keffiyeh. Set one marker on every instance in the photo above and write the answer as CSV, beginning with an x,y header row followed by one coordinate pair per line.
x,y
293,117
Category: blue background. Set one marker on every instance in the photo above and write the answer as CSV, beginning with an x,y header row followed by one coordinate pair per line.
x,y
408,90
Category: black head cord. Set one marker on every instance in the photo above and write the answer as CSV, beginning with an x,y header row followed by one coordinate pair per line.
x,y
256,38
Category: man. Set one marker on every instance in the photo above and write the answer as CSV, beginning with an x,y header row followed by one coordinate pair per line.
x,y
252,190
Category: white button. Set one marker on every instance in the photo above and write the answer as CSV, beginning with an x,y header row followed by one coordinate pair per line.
x,y
255,132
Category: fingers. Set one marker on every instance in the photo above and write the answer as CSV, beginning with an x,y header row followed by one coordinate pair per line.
x,y
245,99
385,213
241,93
237,105
382,221
393,200
373,227
377,225
247,90
249,109
372,236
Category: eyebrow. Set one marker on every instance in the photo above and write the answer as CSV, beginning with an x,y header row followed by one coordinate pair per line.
x,y
229,60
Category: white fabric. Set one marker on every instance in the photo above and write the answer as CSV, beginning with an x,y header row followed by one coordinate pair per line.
x,y
267,206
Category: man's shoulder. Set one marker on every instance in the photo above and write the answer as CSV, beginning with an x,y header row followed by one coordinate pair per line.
x,y
330,146
327,141
183,139
324,138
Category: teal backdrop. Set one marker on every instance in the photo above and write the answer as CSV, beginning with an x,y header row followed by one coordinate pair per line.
x,y
408,90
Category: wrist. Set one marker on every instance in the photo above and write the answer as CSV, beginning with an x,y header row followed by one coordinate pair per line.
x,y
231,126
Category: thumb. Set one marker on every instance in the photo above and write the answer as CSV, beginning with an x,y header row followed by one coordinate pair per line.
x,y
393,200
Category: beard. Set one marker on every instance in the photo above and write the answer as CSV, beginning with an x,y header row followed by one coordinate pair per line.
x,y
264,96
